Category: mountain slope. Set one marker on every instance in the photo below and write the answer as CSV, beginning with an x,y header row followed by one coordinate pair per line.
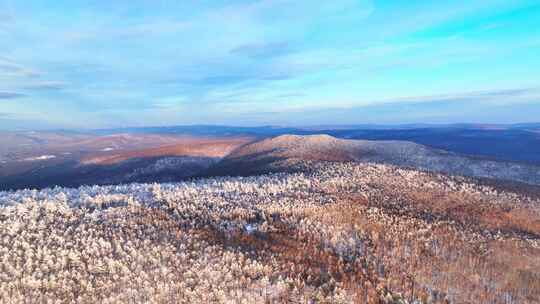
x,y
286,153
124,159
341,233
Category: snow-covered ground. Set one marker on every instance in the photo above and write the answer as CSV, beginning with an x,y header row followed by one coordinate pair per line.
x,y
286,237
38,158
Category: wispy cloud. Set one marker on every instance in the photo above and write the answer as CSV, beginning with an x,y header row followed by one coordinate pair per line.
x,y
263,50
492,107
45,86
111,61
12,68
11,95
492,96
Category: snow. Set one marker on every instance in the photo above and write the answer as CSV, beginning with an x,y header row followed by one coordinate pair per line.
x,y
42,157
249,228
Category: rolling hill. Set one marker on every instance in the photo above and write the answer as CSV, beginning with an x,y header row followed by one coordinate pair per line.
x,y
40,160
282,152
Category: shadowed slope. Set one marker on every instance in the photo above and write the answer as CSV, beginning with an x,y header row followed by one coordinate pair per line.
x,y
160,159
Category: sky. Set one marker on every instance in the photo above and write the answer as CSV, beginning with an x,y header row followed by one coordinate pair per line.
x,y
102,63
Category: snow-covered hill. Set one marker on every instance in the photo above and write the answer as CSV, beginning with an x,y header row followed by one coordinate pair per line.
x,y
340,233
280,154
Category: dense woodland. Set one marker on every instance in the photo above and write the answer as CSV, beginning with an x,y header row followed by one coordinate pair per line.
x,y
340,233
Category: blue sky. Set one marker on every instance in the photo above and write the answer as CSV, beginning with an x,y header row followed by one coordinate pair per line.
x,y
103,63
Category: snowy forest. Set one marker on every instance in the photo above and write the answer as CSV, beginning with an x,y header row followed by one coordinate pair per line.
x,y
341,233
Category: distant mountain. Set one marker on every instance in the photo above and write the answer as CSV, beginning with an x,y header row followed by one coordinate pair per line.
x,y
280,130
286,153
514,144
111,159
205,130
508,142
73,158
